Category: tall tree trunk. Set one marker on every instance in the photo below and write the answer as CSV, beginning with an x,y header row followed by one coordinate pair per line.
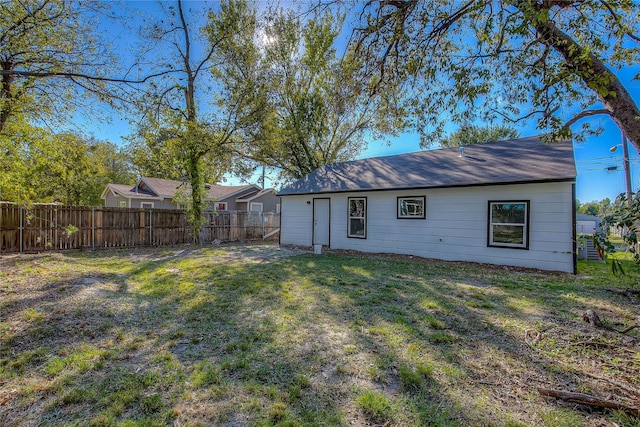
x,y
195,155
197,192
595,74
5,94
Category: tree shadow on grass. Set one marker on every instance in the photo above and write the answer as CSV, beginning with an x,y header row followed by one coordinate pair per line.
x,y
459,331
63,336
329,340
169,327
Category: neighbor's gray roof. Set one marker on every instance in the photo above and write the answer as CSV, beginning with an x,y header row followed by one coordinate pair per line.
x,y
157,188
129,191
254,195
168,188
502,162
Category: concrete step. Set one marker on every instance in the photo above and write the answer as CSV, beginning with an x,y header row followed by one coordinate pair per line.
x,y
592,252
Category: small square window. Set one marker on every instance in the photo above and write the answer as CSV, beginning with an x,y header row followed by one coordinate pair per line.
x,y
146,205
123,203
357,227
221,206
509,224
411,207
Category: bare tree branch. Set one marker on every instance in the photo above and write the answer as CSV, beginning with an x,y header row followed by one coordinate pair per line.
x,y
45,74
584,114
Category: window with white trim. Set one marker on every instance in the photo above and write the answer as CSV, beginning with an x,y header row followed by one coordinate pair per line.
x,y
221,206
146,205
255,207
411,207
509,224
357,227
123,203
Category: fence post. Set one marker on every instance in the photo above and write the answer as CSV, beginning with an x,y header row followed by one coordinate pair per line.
x,y
232,225
21,228
150,227
93,229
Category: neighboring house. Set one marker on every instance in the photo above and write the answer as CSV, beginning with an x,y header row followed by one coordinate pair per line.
x,y
587,224
508,203
160,194
586,227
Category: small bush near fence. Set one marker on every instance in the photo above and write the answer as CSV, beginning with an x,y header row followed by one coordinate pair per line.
x,y
56,227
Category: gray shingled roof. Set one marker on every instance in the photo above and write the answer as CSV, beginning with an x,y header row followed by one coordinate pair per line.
x,y
162,187
166,188
129,191
502,162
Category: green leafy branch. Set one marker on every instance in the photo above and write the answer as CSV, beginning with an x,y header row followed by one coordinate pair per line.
x,y
625,217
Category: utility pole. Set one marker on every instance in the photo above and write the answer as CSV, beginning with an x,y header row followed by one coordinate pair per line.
x,y
625,166
627,170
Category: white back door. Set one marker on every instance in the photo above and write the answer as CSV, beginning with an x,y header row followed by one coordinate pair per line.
x,y
321,214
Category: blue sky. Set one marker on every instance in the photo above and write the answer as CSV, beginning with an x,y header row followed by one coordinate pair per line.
x,y
596,179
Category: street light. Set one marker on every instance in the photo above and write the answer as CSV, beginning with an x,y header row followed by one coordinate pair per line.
x,y
625,165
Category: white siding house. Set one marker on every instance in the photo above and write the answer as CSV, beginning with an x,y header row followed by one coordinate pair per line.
x,y
508,203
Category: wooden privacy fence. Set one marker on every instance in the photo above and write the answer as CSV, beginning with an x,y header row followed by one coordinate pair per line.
x,y
54,227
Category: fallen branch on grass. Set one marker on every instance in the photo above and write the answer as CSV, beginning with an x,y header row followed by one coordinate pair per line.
x,y
596,344
632,294
629,329
535,340
621,386
585,399
590,316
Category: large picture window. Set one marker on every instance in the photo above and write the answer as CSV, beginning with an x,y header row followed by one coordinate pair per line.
x,y
509,224
411,207
357,226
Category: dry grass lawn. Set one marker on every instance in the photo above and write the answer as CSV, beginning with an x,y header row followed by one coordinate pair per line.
x,y
260,336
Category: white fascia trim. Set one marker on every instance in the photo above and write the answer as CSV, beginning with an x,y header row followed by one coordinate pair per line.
x,y
103,196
